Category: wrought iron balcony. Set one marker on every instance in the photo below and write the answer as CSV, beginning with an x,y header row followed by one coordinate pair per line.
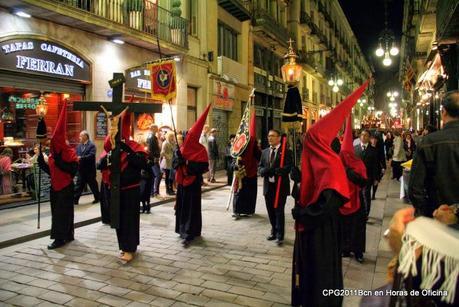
x,y
305,58
264,22
305,18
109,17
239,9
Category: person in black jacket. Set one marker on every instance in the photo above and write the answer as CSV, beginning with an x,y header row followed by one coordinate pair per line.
x,y
370,158
86,152
269,168
154,153
434,174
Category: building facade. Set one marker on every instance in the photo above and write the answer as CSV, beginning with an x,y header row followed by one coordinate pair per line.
x,y
429,58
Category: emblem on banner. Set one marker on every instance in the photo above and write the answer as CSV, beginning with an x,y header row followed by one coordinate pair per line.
x,y
163,80
242,136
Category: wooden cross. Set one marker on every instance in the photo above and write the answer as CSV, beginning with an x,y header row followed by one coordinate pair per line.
x,y
116,107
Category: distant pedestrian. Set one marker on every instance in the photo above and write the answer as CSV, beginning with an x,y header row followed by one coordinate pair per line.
x,y
389,145
409,145
86,152
167,153
154,152
398,157
229,160
214,154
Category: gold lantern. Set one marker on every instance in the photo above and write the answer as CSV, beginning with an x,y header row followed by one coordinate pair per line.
x,y
42,106
291,71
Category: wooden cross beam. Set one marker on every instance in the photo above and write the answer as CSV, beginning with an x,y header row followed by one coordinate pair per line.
x,y
116,107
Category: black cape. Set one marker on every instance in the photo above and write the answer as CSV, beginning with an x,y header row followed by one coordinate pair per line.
x,y
317,253
188,218
245,199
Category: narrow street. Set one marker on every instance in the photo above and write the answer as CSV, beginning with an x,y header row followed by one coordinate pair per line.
x,y
231,265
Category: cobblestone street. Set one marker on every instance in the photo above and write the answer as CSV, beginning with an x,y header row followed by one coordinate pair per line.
x,y
232,264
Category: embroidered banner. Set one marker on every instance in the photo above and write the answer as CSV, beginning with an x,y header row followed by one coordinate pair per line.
x,y
163,80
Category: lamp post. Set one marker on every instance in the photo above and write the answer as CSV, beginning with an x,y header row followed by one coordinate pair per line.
x,y
41,110
392,95
386,45
293,108
335,83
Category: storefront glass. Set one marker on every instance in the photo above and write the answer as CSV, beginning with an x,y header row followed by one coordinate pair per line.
x,y
18,137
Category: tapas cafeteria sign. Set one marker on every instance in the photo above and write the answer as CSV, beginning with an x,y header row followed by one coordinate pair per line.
x,y
43,57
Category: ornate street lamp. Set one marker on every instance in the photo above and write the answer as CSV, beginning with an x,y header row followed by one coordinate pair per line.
x,y
386,46
392,95
42,107
335,83
291,71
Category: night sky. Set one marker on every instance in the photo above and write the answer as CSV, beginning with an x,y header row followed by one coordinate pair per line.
x,y
366,18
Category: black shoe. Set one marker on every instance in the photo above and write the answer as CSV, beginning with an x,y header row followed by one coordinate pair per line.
x,y
186,242
56,244
359,258
373,198
279,241
75,202
271,238
346,254
95,201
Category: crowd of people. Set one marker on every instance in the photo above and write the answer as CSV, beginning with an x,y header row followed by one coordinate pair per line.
x,y
333,190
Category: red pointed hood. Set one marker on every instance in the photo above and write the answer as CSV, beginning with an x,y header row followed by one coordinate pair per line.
x,y
191,149
350,160
59,178
321,167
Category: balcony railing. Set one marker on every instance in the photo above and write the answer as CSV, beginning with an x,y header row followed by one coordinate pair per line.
x,y
305,18
142,15
265,20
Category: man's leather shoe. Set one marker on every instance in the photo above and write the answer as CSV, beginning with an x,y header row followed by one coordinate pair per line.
x,y
271,237
359,258
279,241
56,244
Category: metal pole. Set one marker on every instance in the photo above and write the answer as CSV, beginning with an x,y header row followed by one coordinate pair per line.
x,y
39,190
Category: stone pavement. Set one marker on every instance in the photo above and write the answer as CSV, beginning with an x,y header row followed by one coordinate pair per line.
x,y
19,224
231,265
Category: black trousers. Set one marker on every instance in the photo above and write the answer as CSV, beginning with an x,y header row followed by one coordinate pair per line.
x,y
366,197
83,180
276,216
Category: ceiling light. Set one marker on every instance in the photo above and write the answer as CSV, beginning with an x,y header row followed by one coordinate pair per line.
x,y
118,41
22,14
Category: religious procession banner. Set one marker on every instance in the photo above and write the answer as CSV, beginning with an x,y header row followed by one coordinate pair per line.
x,y
163,80
242,136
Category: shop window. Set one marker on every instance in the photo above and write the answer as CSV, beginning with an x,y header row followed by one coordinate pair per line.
x,y
18,132
227,42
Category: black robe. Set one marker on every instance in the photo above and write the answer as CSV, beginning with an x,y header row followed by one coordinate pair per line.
x,y
128,230
104,194
62,209
317,253
105,202
245,199
354,225
188,218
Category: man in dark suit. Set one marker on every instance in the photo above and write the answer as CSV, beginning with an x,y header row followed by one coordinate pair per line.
x,y
370,158
86,152
269,168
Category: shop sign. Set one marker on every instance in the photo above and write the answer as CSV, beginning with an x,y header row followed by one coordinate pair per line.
x,y
223,95
24,103
138,78
101,127
43,57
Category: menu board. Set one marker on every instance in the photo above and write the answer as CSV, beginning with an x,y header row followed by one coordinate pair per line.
x,y
101,127
45,181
